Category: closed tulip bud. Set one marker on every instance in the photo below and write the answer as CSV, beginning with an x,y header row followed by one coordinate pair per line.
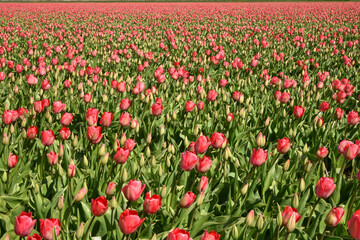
x,y
147,152
86,162
160,171
242,113
279,219
305,149
168,118
259,140
12,129
105,159
250,218
153,237
71,170
5,139
80,195
61,203
113,202
75,141
23,123
110,189
80,231
163,191
60,170
4,176
234,232
177,99
267,121
162,130
148,139
122,139
290,225
260,222
124,176
302,185
286,166
142,160
295,201
308,166
102,150
200,199
23,134
36,189
105,98
153,161
174,115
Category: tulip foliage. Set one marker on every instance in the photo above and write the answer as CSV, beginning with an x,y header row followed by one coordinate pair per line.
x,y
179,121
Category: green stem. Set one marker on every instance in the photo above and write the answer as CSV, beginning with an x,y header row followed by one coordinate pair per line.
x,y
323,235
312,211
351,203
343,168
192,217
87,231
353,169
175,216
174,187
243,184
287,236
7,180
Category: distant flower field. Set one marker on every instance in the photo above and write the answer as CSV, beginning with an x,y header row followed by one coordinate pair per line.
x,y
179,121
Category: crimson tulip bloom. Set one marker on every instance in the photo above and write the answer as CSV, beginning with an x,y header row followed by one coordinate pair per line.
x,y
38,106
152,203
334,216
322,152
212,235
188,160
354,225
258,157
87,98
129,144
52,158
31,132
178,234
343,145
92,116
156,109
121,155
47,137
298,111
286,214
187,200
351,151
35,236
125,104
64,133
204,164
283,145
129,221
211,96
47,226
325,187
324,106
217,140
202,144
31,79
24,224
189,106
66,119
106,119
58,107
125,119
339,113
99,206
132,191
12,161
94,134
353,118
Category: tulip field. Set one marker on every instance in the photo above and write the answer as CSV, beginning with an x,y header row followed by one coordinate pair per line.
x,y
179,121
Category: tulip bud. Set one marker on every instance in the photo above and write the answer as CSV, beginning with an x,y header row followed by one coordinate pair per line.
x,y
23,122
153,161
260,222
5,140
174,115
23,134
279,218
160,171
250,218
80,231
290,226
244,189
168,118
163,191
286,165
36,189
267,121
4,177
162,130
113,202
102,150
154,237
110,189
105,98
142,160
235,232
308,167
200,199
305,149
86,162
242,113
124,175
147,152
302,185
105,159
295,201
148,139
75,141
61,203
122,139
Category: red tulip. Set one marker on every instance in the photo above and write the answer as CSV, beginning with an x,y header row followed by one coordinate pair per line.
x,y
351,151
24,224
324,106
334,216
298,111
189,106
35,236
110,190
200,106
211,96
204,164
188,160
58,107
258,157
7,117
286,214
121,155
106,119
94,134
31,132
47,137
125,119
325,187
217,140
353,118
343,145
64,133
152,203
354,225
178,234
12,160
339,113
132,191
52,158
156,109
125,104
66,119
92,115
187,200
203,184
129,221
47,226
202,144
31,79
322,152
87,98
283,145
285,97
99,206
212,235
